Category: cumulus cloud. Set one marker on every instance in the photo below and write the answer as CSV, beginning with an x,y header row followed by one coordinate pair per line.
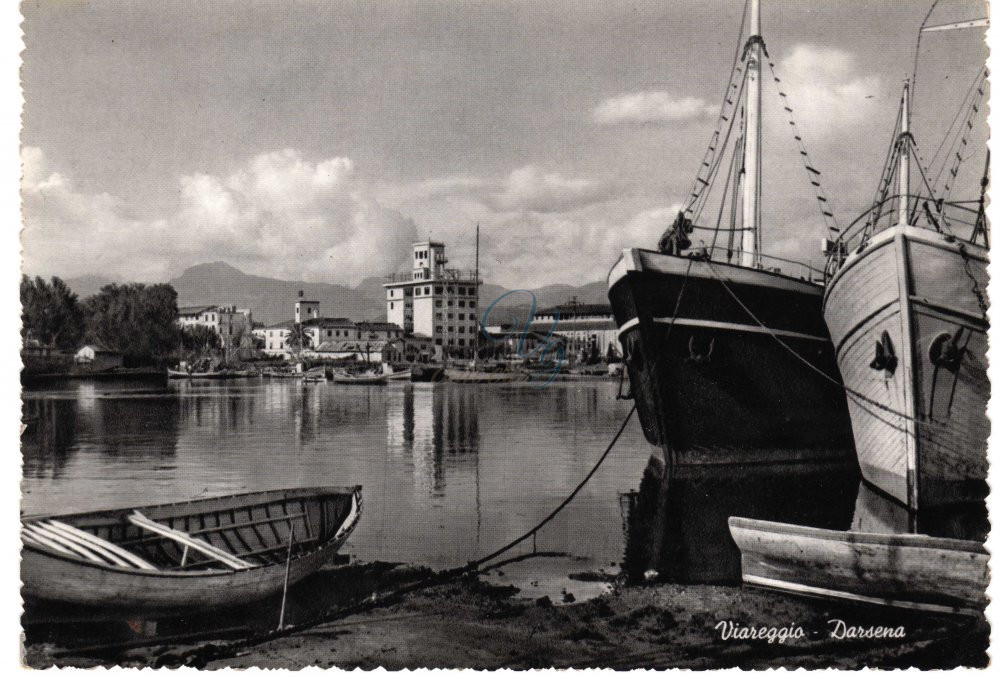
x,y
651,107
530,189
280,215
828,92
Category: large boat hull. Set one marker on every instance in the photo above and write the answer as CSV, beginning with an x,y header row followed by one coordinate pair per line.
x,y
920,427
728,364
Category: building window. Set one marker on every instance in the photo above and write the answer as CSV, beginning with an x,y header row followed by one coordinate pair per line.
x,y
451,316
437,316
451,290
461,304
418,291
461,342
451,303
427,291
451,330
438,290
451,341
461,330
461,316
461,290
437,304
391,305
472,304
437,342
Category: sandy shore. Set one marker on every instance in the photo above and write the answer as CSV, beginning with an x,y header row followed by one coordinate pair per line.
x,y
475,623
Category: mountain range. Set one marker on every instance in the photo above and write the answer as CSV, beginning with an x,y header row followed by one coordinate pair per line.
x,y
272,300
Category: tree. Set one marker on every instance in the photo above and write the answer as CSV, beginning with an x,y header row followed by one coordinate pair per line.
x,y
299,339
137,320
51,313
199,338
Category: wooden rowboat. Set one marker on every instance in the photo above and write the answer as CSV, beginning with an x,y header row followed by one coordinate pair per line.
x,y
913,571
192,555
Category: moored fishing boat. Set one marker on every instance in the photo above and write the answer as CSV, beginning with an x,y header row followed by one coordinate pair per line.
x,y
192,555
730,361
912,571
217,374
364,379
906,307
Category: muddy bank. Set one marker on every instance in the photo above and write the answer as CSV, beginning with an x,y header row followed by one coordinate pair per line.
x,y
475,623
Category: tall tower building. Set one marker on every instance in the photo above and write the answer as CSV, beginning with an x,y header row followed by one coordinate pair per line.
x,y
305,310
434,301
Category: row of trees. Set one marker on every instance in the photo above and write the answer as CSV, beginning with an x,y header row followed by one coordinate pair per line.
x,y
139,321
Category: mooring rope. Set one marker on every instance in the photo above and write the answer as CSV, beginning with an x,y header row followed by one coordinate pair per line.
x,y
202,654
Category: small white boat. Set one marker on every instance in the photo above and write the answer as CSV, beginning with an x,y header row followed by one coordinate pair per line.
x,y
912,571
366,378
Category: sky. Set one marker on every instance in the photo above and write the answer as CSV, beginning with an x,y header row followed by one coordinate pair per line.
x,y
318,140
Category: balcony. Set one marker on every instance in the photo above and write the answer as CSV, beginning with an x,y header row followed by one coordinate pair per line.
x,y
427,275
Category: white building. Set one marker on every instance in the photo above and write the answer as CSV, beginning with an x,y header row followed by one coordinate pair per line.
x,y
435,302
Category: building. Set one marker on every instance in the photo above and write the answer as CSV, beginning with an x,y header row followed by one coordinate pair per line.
x,y
234,324
385,331
322,329
93,357
199,316
228,322
434,301
587,328
372,351
276,338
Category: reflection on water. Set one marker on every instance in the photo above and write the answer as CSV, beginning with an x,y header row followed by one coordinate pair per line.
x,y
696,546
690,530
450,471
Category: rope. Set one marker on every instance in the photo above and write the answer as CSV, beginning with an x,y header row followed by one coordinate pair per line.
x,y
202,654
857,395
812,173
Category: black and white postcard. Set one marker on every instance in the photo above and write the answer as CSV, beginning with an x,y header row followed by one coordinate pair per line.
x,y
503,334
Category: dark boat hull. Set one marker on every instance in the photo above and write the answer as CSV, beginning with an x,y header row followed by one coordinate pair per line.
x,y
713,384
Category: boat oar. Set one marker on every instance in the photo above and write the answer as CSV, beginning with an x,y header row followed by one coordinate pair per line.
x,y
288,566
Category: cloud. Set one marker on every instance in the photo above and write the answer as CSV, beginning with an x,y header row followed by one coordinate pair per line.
x,y
828,93
531,189
280,215
651,107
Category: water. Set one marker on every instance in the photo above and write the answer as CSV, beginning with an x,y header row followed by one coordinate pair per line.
x,y
450,471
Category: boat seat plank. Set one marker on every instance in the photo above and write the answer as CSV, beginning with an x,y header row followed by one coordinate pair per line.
x,y
205,548
103,546
33,539
51,540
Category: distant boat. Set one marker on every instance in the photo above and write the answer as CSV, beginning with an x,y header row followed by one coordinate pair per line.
x,y
401,375
480,374
216,374
907,311
728,358
367,378
910,571
192,555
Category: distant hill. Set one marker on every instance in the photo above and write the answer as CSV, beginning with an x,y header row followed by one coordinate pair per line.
x,y
272,300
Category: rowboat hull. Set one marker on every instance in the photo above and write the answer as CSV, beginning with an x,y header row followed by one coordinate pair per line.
x,y
920,428
361,380
244,524
901,570
717,384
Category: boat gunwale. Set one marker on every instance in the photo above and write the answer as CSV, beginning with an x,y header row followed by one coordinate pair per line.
x,y
886,237
333,540
636,255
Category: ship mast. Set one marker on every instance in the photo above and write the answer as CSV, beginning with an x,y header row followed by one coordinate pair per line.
x,y
751,147
904,158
